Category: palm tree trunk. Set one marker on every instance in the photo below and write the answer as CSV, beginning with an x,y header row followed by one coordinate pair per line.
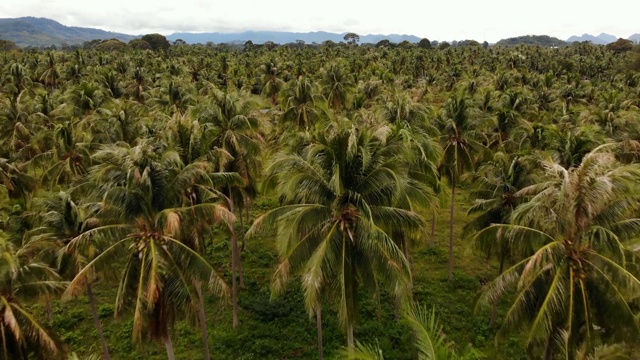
x,y
234,280
242,227
234,265
348,290
319,326
240,269
202,319
246,209
49,310
494,313
350,339
494,306
168,344
548,351
453,199
405,247
433,228
96,318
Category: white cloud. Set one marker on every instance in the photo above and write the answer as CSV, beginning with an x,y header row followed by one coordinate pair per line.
x,y
445,20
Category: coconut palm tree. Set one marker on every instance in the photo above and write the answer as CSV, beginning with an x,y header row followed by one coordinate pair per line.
x,y
335,86
16,180
145,190
62,220
230,127
463,143
22,278
301,108
272,85
496,183
577,280
337,216
68,159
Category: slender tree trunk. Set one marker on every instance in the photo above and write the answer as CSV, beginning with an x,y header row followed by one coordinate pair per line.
x,y
168,344
96,318
398,301
244,238
242,228
49,310
319,327
240,268
246,209
548,351
453,199
202,319
405,247
494,307
350,339
234,265
433,228
349,290
494,313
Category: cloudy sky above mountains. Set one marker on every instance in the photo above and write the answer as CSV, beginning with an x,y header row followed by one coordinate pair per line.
x,y
489,20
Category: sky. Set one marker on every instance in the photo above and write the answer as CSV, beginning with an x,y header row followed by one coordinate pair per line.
x,y
489,20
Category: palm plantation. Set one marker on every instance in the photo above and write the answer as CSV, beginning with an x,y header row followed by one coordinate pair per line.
x,y
303,185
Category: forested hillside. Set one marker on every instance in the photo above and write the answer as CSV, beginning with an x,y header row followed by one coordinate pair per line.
x,y
42,32
333,201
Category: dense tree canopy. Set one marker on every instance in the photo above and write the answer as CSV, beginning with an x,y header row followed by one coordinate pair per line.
x,y
156,186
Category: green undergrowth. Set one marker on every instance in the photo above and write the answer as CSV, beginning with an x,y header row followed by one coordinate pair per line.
x,y
280,327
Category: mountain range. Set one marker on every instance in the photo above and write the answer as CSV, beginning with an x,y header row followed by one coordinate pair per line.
x,y
31,31
282,37
40,32
602,39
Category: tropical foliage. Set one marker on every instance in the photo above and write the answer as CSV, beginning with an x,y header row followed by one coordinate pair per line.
x,y
141,191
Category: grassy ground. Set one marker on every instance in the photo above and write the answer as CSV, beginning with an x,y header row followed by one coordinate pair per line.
x,y
281,328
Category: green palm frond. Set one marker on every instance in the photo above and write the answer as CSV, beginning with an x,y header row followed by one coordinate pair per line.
x,y
430,341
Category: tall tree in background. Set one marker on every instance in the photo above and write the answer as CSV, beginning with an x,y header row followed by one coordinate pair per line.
x,y
463,144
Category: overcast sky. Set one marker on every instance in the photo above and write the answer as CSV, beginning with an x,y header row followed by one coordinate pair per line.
x,y
489,20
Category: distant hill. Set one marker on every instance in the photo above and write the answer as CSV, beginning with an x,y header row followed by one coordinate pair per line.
x,y
635,38
31,31
541,40
283,37
602,39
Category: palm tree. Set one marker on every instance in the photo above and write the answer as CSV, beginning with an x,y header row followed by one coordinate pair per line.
x,y
146,212
577,281
338,196
272,85
335,86
14,178
68,159
229,127
61,221
301,107
463,143
49,73
21,279
496,184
